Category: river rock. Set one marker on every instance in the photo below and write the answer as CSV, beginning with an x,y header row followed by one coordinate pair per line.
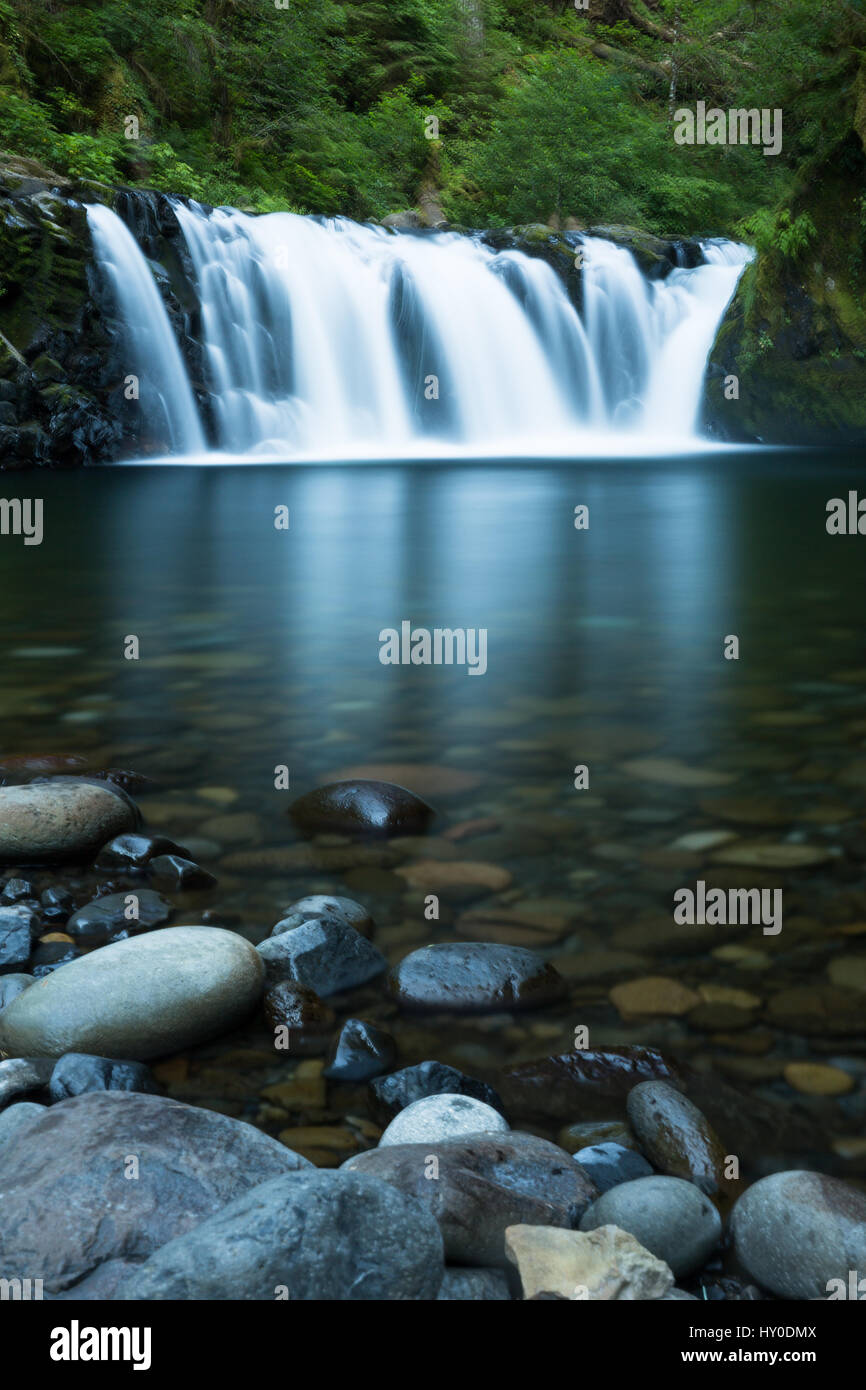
x,y
144,997
391,1094
336,1236
130,852
62,1174
17,928
473,1285
676,1137
77,1073
795,1232
606,1264
608,1165
435,1119
361,1051
361,808
593,1085
16,1116
474,977
103,918
328,956
18,1075
179,874
669,1216
322,905
485,1184
11,986
62,818
309,1022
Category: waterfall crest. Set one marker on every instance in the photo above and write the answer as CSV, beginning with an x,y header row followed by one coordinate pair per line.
x,y
331,339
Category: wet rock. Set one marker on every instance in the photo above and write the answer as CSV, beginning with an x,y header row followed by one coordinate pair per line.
x,y
391,1094
17,1116
305,1236
473,1285
14,889
795,1233
592,1084
676,1137
62,818
440,1118
17,929
327,956
78,1072
606,1264
128,852
48,956
361,808
62,1173
608,1165
104,918
472,977
669,1216
57,904
361,1052
590,1133
179,874
308,1022
19,1075
322,905
485,1184
11,986
144,997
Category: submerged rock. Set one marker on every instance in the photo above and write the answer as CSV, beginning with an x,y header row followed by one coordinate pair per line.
x,y
98,921
61,818
61,1174
362,808
361,1051
474,977
307,1021
130,852
305,1236
144,997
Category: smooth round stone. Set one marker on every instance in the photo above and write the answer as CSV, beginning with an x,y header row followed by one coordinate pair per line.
x,y
106,917
319,905
796,1232
611,1164
60,819
326,955
669,1216
443,1117
16,1116
307,1021
11,986
362,808
76,1217
306,1236
675,1135
77,1073
134,851
391,1094
144,997
474,977
475,1285
361,1052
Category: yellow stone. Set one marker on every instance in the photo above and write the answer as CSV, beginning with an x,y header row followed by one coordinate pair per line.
x,y
722,994
654,994
817,1079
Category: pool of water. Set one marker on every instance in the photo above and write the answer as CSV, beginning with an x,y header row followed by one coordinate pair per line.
x,y
259,648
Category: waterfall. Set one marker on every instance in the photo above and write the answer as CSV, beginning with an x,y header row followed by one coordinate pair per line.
x,y
154,356
331,339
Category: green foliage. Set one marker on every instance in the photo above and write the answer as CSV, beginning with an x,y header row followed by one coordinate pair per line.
x,y
779,232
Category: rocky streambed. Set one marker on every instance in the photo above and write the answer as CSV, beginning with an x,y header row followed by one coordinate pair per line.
x,y
324,1154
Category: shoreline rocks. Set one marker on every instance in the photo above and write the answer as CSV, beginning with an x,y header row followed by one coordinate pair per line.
x,y
799,1234
60,819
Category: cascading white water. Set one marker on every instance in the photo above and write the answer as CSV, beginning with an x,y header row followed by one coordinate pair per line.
x,y
339,340
155,359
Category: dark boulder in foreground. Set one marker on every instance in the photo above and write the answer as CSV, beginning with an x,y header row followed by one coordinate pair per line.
x,y
305,1236
101,1181
361,808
